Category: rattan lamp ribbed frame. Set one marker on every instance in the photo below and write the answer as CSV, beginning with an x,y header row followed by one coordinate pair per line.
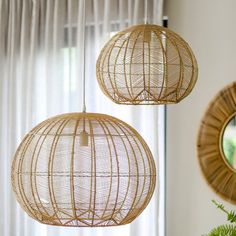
x,y
146,65
83,169
215,168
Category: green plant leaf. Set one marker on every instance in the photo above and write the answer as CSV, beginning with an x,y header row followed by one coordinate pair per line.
x,y
223,230
232,217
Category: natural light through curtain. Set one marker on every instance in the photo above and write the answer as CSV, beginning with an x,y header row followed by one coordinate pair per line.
x,y
41,55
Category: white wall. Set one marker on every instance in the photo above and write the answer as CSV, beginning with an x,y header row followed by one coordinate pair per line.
x,y
210,28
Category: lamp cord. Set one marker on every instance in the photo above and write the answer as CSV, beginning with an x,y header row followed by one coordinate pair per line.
x,y
84,51
146,12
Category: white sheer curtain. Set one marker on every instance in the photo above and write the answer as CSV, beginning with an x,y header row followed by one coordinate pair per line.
x,y
41,57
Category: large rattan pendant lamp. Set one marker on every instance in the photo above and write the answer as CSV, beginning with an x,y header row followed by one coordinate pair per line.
x,y
146,64
83,169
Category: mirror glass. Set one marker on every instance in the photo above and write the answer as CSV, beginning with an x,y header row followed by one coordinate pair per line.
x,y
229,142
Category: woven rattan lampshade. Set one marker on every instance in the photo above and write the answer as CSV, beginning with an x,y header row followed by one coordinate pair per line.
x,y
146,64
83,169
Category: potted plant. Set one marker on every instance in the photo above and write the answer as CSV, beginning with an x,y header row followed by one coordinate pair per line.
x,y
227,229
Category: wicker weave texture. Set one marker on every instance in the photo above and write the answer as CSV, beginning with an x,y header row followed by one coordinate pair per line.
x,y
146,64
83,169
215,168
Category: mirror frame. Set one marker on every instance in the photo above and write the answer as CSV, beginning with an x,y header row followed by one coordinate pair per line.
x,y
215,168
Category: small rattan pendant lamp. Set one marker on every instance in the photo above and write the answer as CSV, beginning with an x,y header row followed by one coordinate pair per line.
x,y
84,170
146,64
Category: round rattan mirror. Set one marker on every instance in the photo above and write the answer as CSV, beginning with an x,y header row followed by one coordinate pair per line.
x,y
216,128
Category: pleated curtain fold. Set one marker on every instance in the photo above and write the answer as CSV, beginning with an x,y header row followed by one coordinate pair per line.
x,y
41,74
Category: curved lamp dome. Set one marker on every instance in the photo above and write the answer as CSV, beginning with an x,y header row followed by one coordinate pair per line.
x,y
83,169
146,64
